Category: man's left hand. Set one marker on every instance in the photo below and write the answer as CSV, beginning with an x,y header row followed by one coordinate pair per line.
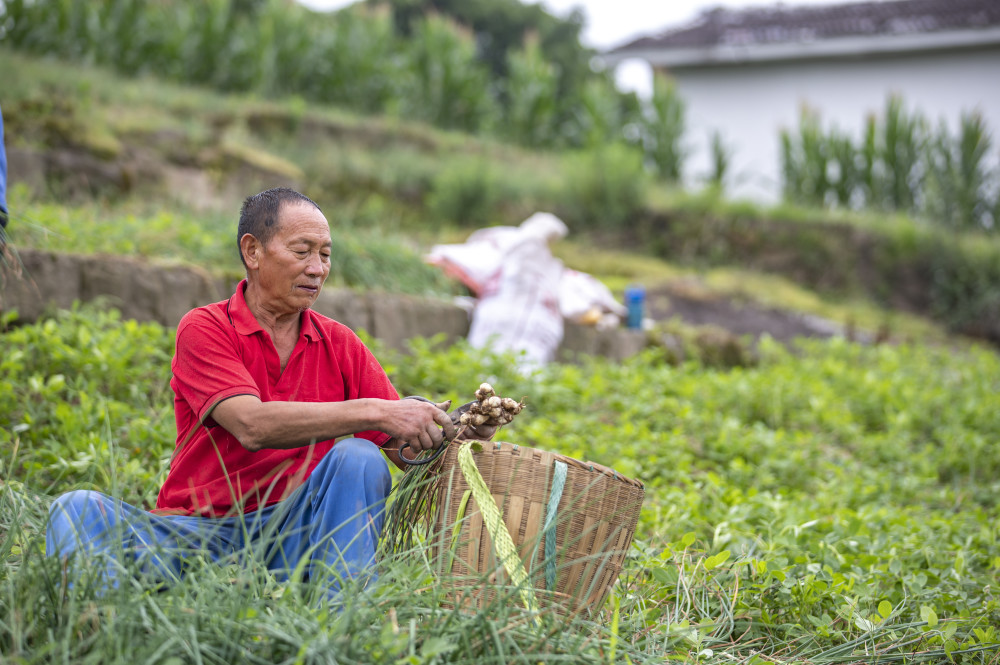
x,y
480,433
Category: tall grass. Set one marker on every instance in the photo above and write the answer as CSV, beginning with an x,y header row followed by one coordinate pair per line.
x,y
243,614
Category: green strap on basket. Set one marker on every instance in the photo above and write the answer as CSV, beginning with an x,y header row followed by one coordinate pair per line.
x,y
502,541
457,528
549,530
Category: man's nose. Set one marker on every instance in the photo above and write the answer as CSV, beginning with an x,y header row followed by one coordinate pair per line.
x,y
315,265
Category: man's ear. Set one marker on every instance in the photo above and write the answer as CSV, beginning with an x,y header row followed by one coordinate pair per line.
x,y
251,249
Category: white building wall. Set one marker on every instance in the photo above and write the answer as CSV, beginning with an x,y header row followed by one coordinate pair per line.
x,y
750,104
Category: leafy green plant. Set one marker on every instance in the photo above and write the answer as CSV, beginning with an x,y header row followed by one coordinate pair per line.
x,y
362,253
94,407
830,502
468,194
663,129
532,97
604,187
721,157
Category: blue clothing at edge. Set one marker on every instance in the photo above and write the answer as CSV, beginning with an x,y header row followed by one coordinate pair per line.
x,y
332,522
3,169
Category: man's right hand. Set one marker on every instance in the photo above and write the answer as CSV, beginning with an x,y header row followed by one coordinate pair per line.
x,y
422,425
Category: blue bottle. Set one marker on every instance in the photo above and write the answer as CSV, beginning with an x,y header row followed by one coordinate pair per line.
x,y
635,302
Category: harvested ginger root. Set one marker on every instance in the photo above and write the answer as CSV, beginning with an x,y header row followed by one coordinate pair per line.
x,y
490,409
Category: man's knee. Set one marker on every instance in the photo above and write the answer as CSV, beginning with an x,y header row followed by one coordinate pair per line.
x,y
76,504
75,519
359,458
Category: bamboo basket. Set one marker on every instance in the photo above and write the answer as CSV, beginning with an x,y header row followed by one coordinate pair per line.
x,y
594,522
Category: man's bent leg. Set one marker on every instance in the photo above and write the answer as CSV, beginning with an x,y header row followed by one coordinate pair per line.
x,y
335,519
100,528
84,522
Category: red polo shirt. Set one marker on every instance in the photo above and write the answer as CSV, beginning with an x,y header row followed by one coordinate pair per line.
x,y
221,352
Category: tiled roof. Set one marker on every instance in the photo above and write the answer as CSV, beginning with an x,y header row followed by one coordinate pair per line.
x,y
782,24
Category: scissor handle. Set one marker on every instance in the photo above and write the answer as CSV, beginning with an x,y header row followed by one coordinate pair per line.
x,y
426,460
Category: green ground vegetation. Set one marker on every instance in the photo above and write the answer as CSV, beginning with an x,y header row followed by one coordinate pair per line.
x,y
833,503
367,257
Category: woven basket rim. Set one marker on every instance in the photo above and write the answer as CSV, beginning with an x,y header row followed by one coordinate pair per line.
x,y
588,466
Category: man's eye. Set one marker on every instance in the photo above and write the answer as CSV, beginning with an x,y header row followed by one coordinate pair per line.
x,y
326,257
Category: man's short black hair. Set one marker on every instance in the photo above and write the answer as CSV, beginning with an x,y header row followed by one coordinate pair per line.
x,y
259,215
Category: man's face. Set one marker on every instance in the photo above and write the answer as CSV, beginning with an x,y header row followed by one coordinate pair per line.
x,y
296,262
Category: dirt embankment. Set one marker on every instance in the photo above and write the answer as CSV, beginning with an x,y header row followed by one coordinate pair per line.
x,y
163,161
951,278
737,317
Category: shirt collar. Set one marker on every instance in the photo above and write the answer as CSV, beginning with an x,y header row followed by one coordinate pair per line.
x,y
246,323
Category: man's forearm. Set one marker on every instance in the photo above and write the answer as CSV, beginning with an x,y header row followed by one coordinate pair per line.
x,y
261,425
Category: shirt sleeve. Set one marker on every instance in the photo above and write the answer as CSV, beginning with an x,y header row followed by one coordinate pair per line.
x,y
367,379
207,366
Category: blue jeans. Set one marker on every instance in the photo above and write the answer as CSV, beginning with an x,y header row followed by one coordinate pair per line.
x,y
330,525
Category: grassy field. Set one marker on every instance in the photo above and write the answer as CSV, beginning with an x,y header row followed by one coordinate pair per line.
x,y
833,504
366,256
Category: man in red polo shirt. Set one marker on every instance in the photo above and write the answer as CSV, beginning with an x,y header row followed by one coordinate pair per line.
x,y
281,414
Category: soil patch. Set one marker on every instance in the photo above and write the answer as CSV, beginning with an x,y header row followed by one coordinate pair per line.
x,y
694,305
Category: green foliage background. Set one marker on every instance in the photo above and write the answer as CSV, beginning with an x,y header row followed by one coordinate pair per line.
x,y
411,60
829,501
824,503
374,176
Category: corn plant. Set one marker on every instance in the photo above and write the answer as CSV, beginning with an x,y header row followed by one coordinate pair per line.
x,y
449,86
959,178
871,173
599,116
721,154
846,174
436,71
531,97
663,129
805,160
898,164
357,62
